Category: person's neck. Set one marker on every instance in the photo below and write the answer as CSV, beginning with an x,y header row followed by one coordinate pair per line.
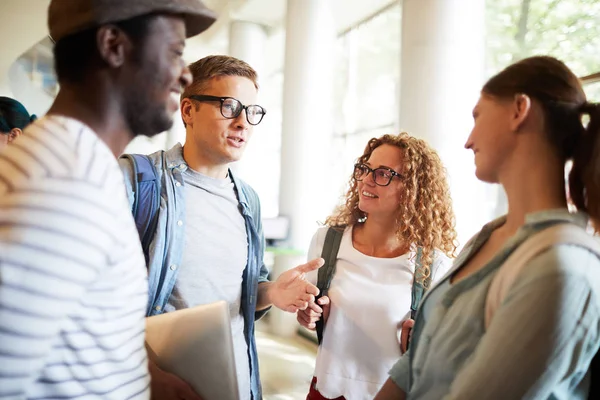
x,y
535,184
197,162
97,109
378,234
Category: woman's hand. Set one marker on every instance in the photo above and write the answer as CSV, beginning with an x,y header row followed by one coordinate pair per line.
x,y
405,334
309,317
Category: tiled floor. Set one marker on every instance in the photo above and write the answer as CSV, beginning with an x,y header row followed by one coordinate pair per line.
x,y
286,365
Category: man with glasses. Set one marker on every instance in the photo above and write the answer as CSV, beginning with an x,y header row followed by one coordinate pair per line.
x,y
208,243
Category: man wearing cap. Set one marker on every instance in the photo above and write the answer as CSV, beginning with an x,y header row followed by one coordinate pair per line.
x,y
73,288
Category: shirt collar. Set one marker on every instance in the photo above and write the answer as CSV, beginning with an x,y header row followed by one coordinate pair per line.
x,y
578,218
174,158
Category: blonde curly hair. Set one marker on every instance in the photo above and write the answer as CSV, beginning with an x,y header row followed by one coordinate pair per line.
x,y
425,217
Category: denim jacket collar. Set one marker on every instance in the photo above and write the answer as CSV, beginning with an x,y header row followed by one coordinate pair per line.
x,y
175,161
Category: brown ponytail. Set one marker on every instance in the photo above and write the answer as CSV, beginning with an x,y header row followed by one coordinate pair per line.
x,y
584,179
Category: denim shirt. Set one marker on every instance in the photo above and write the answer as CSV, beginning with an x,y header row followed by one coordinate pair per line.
x,y
166,249
538,345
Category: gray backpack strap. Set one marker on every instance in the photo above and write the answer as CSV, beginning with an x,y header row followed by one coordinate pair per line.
x,y
331,246
418,290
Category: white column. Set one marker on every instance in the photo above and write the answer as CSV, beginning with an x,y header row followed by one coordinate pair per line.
x,y
306,132
307,115
247,42
442,71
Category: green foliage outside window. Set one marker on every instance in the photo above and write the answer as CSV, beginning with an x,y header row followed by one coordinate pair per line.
x,y
566,29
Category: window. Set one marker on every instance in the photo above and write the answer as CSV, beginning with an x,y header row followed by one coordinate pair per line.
x,y
565,29
366,91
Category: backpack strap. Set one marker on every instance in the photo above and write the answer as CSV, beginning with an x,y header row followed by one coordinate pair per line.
x,y
331,246
146,187
329,253
417,288
563,233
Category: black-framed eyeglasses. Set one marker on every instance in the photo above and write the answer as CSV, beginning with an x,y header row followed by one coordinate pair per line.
x,y
232,108
382,176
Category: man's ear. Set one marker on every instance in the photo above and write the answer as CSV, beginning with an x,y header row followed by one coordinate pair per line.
x,y
13,134
113,45
521,108
187,109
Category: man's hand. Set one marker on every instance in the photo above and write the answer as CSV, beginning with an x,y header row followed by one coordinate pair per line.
x,y
166,386
309,317
405,334
291,291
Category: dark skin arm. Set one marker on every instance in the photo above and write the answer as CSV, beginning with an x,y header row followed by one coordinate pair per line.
x,y
166,386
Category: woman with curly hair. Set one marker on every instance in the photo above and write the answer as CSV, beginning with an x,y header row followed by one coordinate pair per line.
x,y
397,227
512,322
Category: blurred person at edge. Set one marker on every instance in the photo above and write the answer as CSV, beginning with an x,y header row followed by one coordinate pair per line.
x,y
13,119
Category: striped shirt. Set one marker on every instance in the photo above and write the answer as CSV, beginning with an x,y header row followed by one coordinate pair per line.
x,y
73,286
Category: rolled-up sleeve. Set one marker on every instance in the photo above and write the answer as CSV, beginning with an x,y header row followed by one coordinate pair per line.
x,y
400,372
263,273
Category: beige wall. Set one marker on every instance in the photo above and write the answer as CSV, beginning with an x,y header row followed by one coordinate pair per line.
x,y
23,25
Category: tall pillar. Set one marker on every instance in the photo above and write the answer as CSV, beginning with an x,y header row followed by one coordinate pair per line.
x,y
247,42
307,115
306,132
442,71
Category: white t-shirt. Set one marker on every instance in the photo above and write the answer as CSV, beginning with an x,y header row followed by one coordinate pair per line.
x,y
214,258
370,298
73,287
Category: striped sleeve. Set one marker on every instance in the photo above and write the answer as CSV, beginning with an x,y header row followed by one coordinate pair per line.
x,y
53,243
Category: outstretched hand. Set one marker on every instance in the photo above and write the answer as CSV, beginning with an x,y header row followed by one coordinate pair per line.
x,y
291,291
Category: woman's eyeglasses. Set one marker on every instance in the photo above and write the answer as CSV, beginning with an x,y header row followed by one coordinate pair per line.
x,y
382,176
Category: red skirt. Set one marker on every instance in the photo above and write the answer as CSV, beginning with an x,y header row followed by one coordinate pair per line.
x,y
313,393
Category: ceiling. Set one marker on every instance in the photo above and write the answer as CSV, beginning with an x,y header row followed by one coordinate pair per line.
x,y
272,14
24,22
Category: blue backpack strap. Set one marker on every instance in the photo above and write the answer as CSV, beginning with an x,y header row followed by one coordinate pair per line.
x,y
331,246
146,203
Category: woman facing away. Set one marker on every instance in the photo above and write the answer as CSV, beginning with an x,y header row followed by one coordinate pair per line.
x,y
13,119
396,228
545,331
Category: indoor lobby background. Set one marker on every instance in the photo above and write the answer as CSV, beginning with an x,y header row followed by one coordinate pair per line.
x,y
333,74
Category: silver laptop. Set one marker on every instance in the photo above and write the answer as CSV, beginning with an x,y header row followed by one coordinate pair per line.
x,y
196,345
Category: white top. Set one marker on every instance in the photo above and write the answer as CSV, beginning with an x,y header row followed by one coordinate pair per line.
x,y
73,288
214,258
370,298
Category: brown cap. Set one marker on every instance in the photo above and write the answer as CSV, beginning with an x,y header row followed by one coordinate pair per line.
x,y
66,17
